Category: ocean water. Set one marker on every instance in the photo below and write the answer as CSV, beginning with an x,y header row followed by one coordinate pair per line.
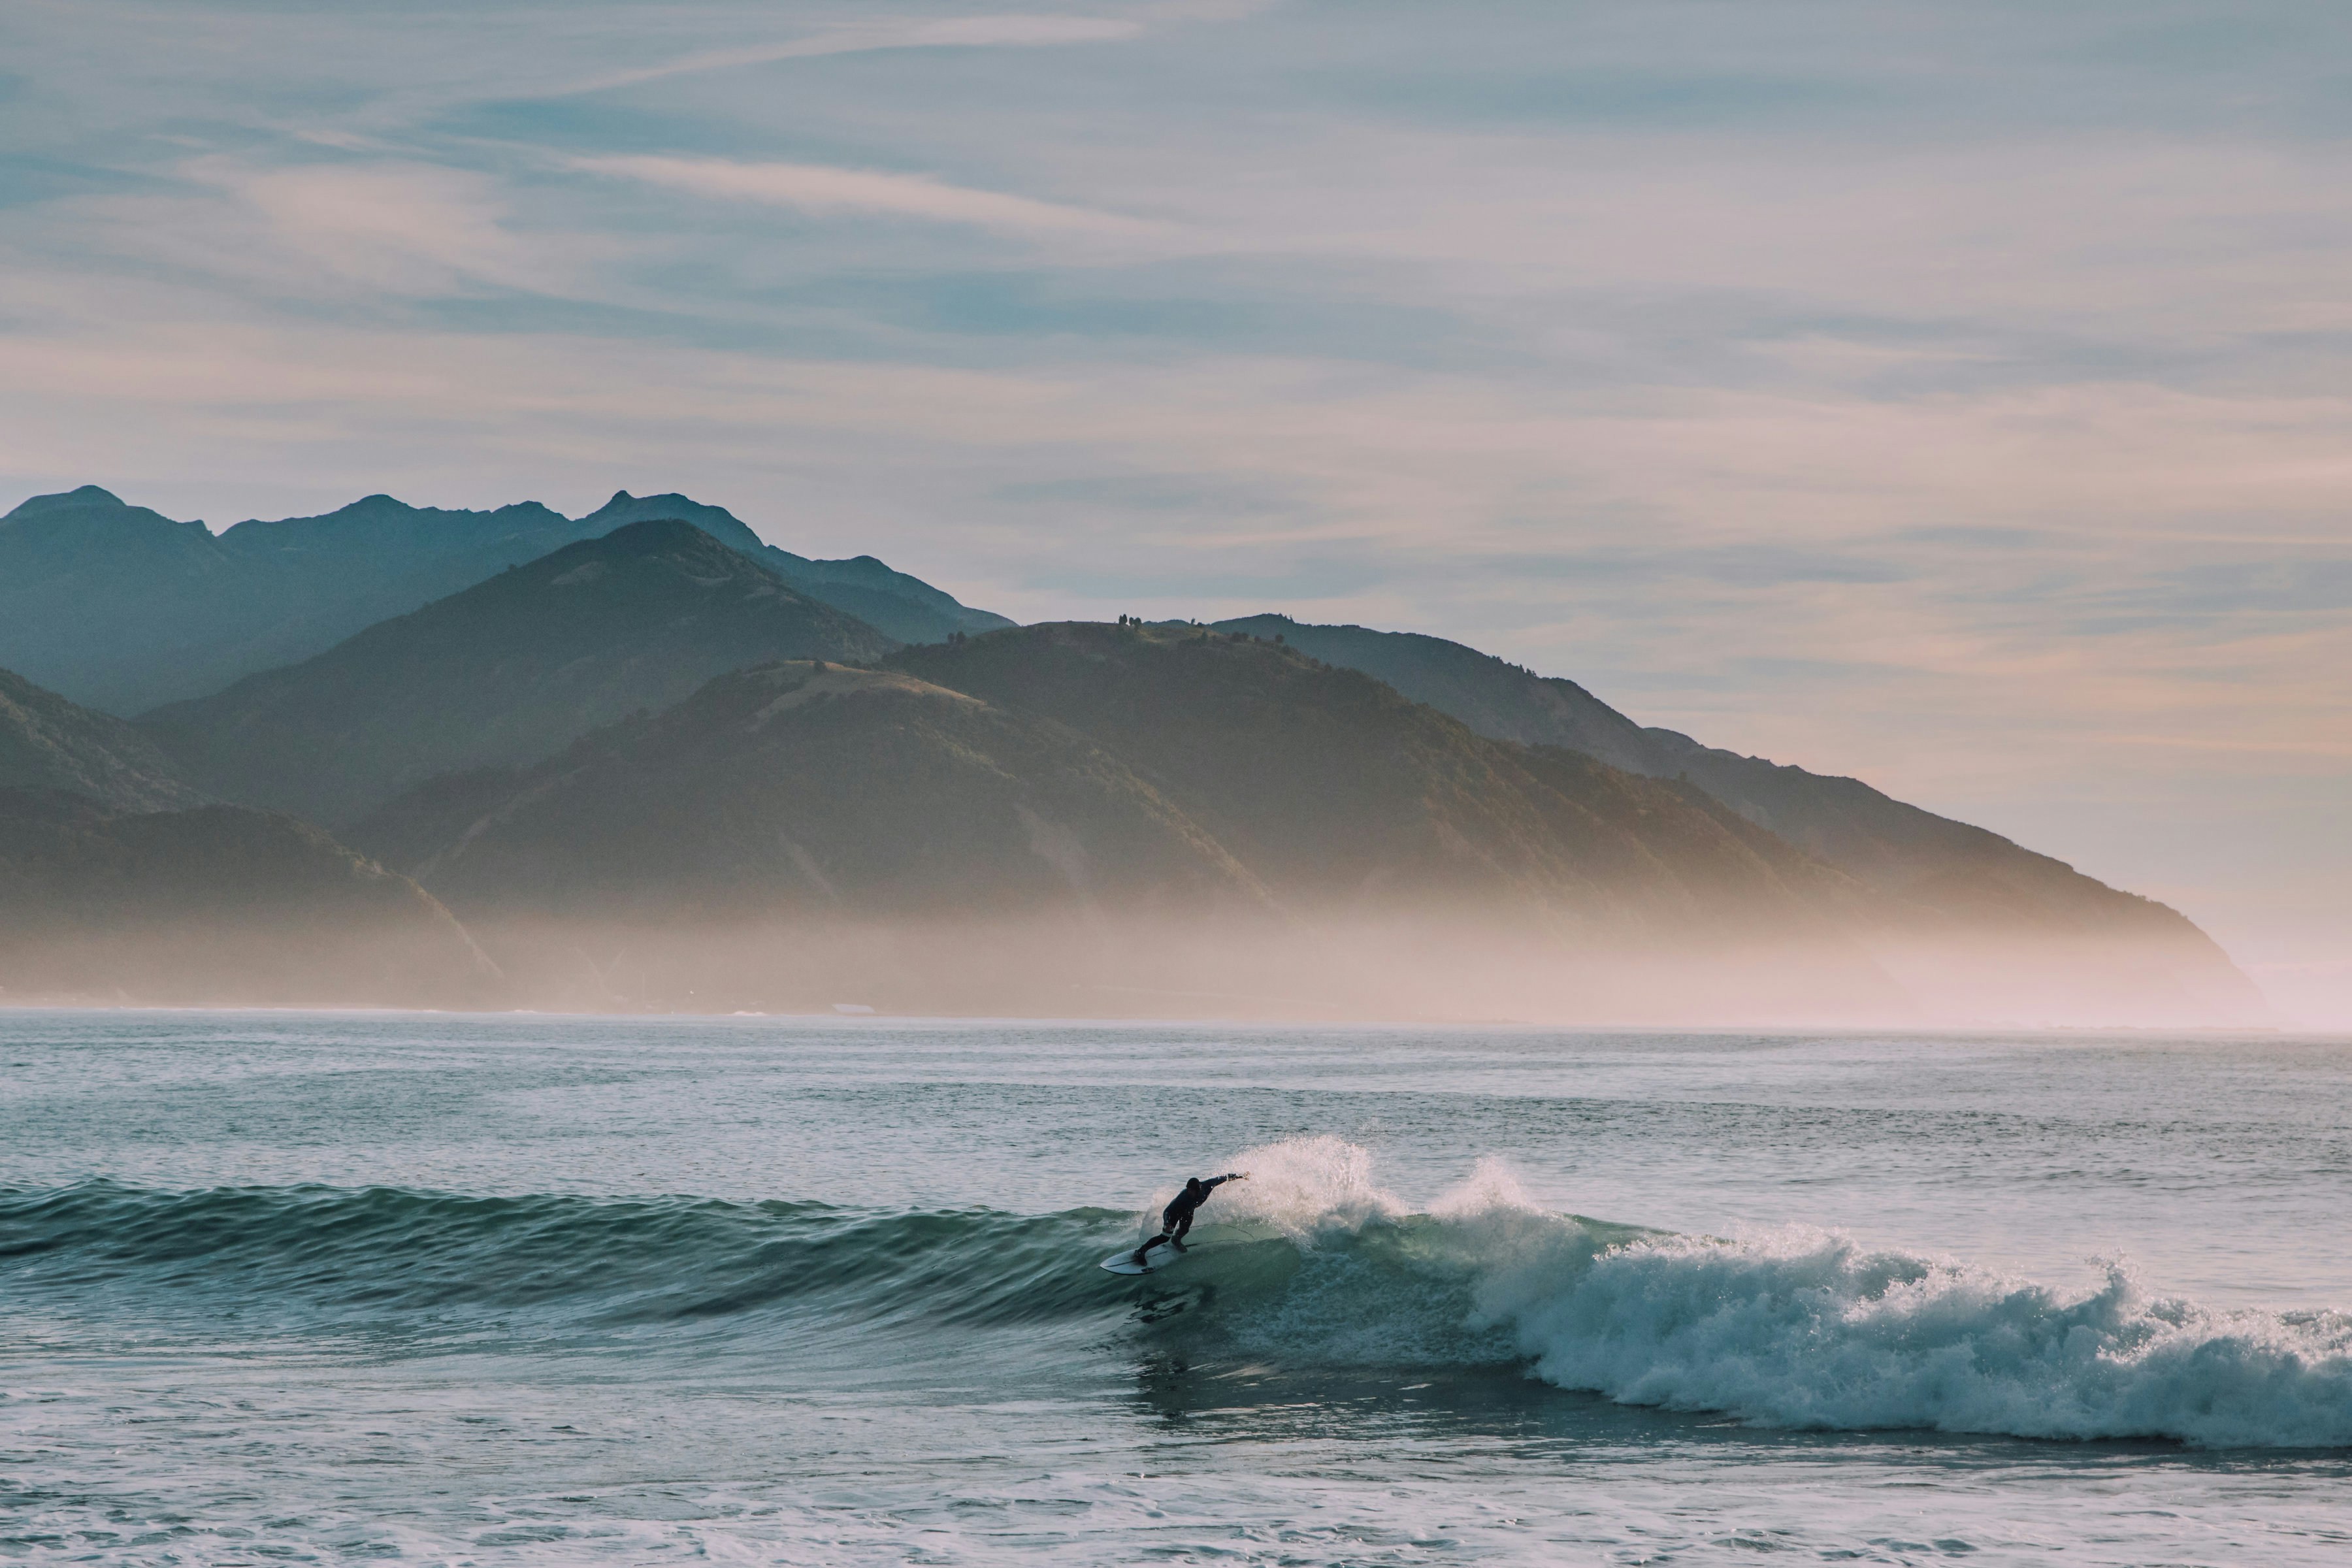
x,y
310,1288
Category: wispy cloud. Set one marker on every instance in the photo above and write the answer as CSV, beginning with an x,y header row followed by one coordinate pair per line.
x,y
1010,31
816,188
402,227
377,233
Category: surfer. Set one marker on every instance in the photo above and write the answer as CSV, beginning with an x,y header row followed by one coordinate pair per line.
x,y
1177,1217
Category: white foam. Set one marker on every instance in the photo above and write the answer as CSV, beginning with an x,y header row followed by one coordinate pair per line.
x,y
1305,1188
1807,1328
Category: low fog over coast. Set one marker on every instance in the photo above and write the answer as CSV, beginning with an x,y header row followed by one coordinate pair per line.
x,y
644,761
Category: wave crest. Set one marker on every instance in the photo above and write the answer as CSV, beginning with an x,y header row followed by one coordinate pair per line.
x,y
1804,1329
1310,1262
1798,1328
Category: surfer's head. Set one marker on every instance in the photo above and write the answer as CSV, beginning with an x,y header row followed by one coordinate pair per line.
x,y
1191,1184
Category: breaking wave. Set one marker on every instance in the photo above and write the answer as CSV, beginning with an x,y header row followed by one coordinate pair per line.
x,y
1309,1262
1802,1328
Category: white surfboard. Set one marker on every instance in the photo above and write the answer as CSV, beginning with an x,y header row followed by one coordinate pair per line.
x,y
1123,1261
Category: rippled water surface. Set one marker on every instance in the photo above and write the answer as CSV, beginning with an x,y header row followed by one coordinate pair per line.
x,y
300,1288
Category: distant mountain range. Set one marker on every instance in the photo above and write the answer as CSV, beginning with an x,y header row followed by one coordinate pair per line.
x,y
123,609
659,764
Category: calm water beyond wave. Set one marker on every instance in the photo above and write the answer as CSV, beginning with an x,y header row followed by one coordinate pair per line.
x,y
288,1288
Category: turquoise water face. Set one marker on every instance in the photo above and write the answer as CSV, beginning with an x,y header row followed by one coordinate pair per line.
x,y
335,1287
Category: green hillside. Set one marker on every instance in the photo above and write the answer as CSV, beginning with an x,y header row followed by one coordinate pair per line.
x,y
1961,914
1967,874
1495,698
813,788
1337,791
49,743
504,673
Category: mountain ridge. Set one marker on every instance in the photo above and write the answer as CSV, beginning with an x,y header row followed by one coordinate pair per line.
x,y
121,609
905,609
1345,775
1953,878
505,672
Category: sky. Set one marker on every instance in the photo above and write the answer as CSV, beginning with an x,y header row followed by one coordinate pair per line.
x,y
1953,395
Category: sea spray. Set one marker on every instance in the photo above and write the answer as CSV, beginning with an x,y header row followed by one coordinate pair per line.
x,y
1797,1328
1304,1188
1808,1329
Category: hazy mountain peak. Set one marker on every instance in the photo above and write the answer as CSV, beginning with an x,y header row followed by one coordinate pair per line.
x,y
906,608
715,521
85,496
98,514
682,549
654,536
122,608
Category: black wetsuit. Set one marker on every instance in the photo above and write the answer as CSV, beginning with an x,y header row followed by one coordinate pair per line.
x,y
1177,1217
